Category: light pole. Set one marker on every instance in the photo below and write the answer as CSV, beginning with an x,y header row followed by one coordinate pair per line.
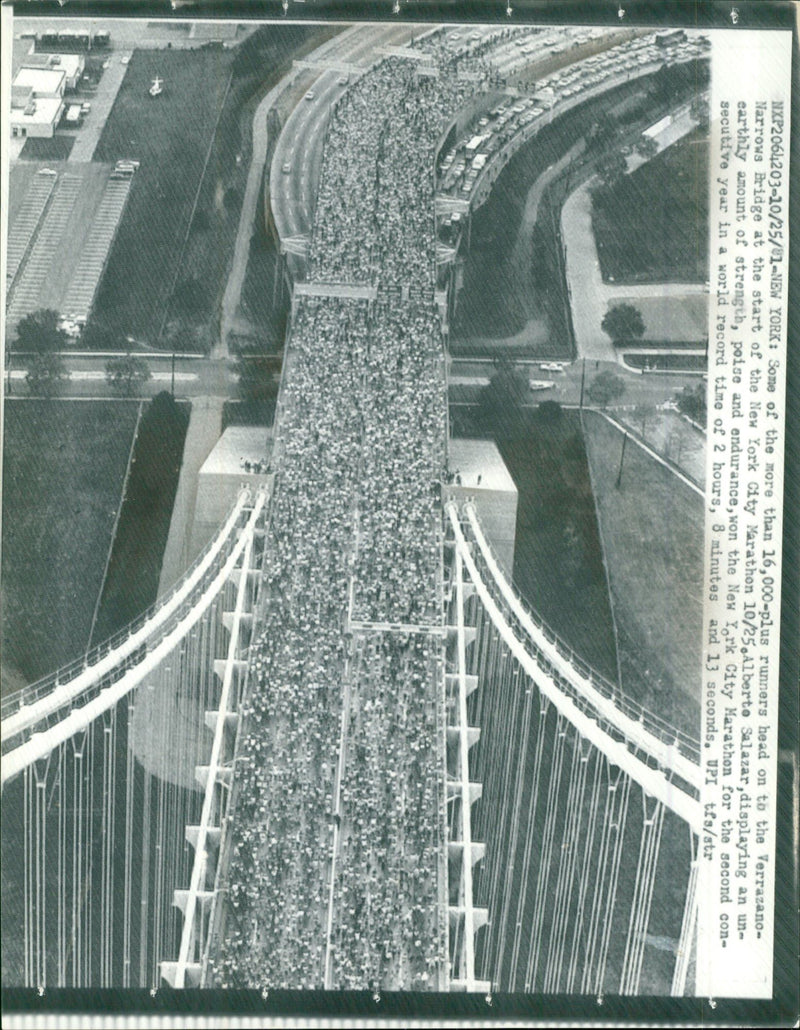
x,y
621,460
172,376
583,381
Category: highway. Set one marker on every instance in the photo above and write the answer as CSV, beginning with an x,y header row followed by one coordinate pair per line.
x,y
640,388
197,376
293,193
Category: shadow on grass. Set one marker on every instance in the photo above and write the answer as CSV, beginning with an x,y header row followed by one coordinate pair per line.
x,y
558,562
133,572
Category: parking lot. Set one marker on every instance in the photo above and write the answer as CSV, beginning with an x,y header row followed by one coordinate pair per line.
x,y
67,240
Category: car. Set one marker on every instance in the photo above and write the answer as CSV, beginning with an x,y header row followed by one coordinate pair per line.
x,y
85,107
310,95
69,326
551,366
541,384
286,168
343,80
125,59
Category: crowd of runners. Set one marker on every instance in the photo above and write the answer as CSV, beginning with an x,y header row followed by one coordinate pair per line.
x,y
338,837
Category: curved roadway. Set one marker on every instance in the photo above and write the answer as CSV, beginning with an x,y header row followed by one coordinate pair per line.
x,y
293,193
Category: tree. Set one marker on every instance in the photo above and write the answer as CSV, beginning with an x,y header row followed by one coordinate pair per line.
x,y
644,412
126,374
604,132
611,168
502,401
256,372
647,146
606,387
96,336
692,403
46,373
623,323
39,332
699,111
549,411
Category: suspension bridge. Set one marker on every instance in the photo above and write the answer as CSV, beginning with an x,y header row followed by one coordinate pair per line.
x,y
341,751
559,794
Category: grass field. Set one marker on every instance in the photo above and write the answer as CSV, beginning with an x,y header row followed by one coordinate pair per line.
x,y
652,531
669,196
64,466
56,149
558,563
268,319
170,138
203,114
675,317
259,63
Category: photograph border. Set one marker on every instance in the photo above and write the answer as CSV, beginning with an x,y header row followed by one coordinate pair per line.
x,y
784,1006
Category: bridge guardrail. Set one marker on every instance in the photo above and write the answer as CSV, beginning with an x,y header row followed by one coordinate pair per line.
x,y
66,673
659,727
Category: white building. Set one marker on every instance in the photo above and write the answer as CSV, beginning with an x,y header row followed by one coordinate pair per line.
x,y
72,65
44,83
33,116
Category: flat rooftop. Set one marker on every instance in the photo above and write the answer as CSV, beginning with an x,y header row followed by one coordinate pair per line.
x,y
472,459
70,64
237,445
42,81
46,111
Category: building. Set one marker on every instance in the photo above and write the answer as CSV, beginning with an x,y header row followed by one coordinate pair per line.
x,y
72,65
33,116
44,83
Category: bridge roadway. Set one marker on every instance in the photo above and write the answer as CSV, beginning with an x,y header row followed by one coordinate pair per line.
x,y
300,145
